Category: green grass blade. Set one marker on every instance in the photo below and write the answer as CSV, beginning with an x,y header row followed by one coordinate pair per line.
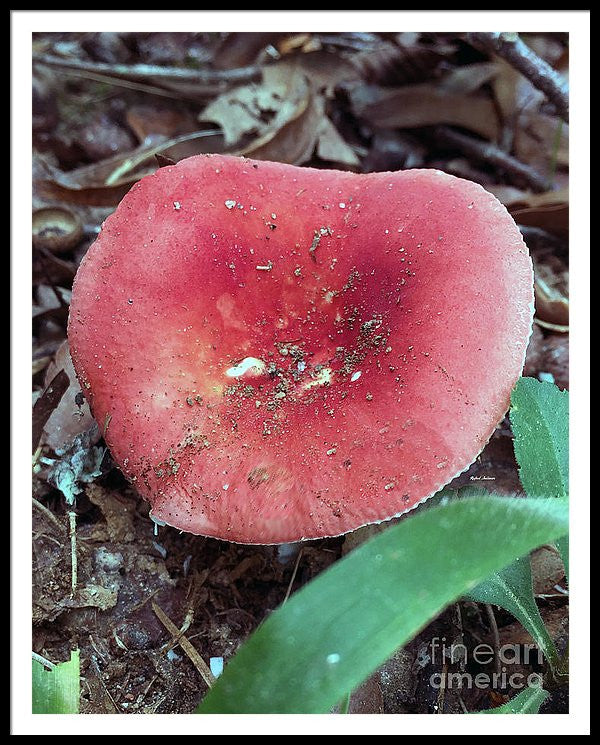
x,y
56,691
526,702
512,589
337,630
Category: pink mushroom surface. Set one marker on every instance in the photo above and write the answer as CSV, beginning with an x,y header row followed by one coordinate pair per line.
x,y
279,353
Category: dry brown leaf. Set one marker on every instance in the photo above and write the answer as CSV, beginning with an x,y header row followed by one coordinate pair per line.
x,y
146,120
45,405
51,303
551,274
508,195
548,353
325,70
296,42
555,620
118,513
540,139
547,570
295,141
553,218
469,78
92,596
72,415
548,211
551,306
86,185
423,106
514,93
400,63
243,48
332,147
262,108
105,183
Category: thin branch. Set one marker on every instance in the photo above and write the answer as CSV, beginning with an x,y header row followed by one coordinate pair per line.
x,y
73,538
496,634
160,75
186,645
289,589
542,76
491,154
42,660
50,515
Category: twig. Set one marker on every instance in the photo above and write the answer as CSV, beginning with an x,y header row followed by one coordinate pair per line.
x,y
42,660
496,634
488,153
289,589
147,689
122,83
46,512
542,76
103,684
186,645
209,78
73,537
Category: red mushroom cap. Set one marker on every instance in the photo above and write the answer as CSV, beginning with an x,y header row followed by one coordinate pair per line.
x,y
278,353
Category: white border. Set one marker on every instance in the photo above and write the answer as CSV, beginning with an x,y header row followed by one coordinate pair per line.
x,y
23,23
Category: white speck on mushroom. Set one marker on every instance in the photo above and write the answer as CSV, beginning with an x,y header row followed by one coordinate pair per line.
x,y
266,267
249,363
177,205
301,366
225,487
355,376
323,377
332,451
230,204
342,205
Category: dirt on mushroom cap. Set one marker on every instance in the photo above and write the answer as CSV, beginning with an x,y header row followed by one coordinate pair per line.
x,y
290,353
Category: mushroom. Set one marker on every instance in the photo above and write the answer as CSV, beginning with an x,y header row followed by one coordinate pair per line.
x,y
277,353
56,229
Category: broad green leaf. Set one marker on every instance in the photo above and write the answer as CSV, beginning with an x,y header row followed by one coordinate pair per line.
x,y
339,628
512,589
56,691
539,416
526,702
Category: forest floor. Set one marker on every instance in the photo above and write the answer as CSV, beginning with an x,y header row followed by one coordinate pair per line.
x,y
149,608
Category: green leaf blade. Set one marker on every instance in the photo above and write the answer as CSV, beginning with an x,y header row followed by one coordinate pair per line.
x,y
528,701
512,589
328,638
562,544
539,416
56,691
